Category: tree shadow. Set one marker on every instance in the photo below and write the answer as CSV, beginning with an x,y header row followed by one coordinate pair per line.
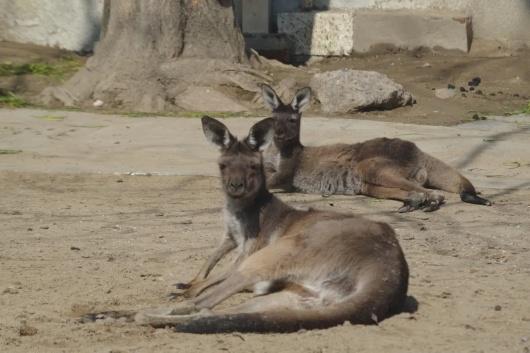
x,y
95,25
491,142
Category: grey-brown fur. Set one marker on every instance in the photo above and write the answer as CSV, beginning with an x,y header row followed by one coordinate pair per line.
x,y
381,167
311,269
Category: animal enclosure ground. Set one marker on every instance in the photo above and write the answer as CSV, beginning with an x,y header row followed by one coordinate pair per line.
x,y
75,243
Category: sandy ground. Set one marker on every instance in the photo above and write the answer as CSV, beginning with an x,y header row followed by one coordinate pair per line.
x,y
77,238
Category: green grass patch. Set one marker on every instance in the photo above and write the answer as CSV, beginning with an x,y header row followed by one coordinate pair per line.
x,y
11,100
58,70
50,117
526,110
9,151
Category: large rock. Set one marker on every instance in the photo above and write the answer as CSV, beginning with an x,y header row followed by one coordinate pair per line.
x,y
346,91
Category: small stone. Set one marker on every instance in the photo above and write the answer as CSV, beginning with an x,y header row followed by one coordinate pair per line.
x,y
463,89
516,94
451,86
471,89
119,181
44,227
332,204
474,82
493,94
497,308
117,142
479,92
97,103
476,117
26,330
444,93
423,228
30,229
160,214
75,248
10,290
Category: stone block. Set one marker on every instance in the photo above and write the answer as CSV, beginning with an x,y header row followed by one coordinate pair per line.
x,y
325,33
411,29
255,16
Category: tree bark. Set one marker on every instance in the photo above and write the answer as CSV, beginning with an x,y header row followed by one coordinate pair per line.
x,y
154,51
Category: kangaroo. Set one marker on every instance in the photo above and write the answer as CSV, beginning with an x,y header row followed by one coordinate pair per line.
x,y
310,269
381,168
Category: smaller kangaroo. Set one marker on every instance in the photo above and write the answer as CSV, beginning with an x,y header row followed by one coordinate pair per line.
x,y
310,269
382,168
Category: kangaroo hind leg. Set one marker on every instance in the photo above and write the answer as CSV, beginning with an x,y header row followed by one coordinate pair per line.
x,y
382,178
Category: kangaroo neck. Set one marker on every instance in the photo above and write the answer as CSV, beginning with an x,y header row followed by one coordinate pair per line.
x,y
289,149
254,217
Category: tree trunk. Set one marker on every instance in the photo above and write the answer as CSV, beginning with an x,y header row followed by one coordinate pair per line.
x,y
154,53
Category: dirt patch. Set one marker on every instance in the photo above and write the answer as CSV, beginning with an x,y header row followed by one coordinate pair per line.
x,y
71,244
504,86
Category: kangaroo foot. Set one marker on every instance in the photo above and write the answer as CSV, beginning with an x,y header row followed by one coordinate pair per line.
x,y
160,317
414,202
433,202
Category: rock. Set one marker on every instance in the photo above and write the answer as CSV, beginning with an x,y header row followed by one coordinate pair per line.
x,y
97,103
463,89
26,330
345,91
474,82
451,86
445,93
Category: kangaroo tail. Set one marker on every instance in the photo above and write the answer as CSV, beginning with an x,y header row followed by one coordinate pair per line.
x,y
444,177
270,321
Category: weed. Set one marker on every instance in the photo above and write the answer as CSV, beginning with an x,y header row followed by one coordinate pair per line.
x,y
58,70
9,151
11,100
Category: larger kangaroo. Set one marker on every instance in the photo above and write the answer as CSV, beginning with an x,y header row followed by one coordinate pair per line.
x,y
382,168
311,269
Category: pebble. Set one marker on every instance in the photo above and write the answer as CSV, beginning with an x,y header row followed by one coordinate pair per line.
x,y
498,308
10,290
475,81
26,330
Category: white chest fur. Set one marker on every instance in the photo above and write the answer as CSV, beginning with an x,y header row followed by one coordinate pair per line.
x,y
235,228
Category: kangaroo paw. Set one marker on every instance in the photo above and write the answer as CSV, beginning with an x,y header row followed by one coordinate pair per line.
x,y
433,202
115,315
182,286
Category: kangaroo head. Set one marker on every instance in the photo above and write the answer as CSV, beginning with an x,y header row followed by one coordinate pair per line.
x,y
240,163
286,116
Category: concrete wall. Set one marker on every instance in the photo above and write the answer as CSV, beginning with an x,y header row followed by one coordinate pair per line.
x,y
75,24
506,21
68,24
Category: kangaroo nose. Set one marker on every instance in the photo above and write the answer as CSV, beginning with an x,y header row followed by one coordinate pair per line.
x,y
236,185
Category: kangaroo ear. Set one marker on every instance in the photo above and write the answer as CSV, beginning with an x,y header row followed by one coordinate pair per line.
x,y
270,97
217,133
301,98
261,134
